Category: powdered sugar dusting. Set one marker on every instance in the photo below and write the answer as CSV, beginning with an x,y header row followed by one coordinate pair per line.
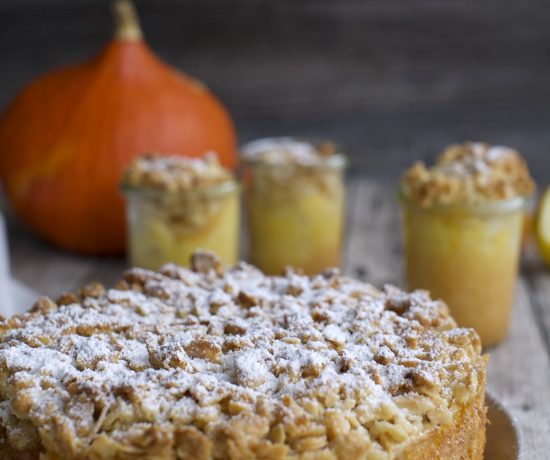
x,y
287,150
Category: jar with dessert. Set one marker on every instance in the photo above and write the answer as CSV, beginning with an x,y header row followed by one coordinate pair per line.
x,y
295,203
462,228
175,205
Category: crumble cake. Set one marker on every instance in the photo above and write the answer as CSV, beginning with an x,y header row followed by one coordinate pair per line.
x,y
215,363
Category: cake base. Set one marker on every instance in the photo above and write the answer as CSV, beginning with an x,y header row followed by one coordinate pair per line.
x,y
462,440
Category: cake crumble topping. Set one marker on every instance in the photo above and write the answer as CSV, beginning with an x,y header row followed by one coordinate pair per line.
x,y
174,173
469,173
278,151
229,363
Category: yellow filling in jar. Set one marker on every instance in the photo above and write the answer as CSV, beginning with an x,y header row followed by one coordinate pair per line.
x,y
462,224
165,227
469,258
294,211
297,224
176,205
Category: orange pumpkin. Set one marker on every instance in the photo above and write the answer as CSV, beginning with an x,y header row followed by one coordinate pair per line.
x,y
66,138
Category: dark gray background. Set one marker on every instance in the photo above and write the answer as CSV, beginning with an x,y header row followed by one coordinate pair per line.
x,y
392,80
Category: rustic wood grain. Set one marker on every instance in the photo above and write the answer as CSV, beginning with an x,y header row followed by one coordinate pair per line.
x,y
538,282
519,376
394,80
373,247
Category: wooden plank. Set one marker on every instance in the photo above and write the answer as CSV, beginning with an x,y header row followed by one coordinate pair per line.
x,y
519,376
519,369
538,280
397,80
374,246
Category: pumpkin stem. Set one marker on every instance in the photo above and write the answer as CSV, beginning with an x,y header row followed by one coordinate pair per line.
x,y
126,21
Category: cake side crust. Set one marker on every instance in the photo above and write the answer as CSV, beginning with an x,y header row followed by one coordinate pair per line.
x,y
463,439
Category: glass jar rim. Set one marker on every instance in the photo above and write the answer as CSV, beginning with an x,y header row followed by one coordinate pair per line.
x,y
335,162
500,206
220,189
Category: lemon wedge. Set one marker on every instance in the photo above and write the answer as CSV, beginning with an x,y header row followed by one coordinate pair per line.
x,y
542,226
527,230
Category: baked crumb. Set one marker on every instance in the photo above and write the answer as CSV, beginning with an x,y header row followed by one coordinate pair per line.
x,y
468,173
175,364
288,150
175,173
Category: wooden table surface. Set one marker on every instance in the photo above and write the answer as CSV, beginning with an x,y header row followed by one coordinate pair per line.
x,y
519,369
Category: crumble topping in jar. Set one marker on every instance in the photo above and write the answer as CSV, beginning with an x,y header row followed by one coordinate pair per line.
x,y
228,363
468,173
286,150
175,205
175,173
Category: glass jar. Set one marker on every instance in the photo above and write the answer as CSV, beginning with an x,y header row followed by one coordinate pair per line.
x,y
167,227
468,257
295,213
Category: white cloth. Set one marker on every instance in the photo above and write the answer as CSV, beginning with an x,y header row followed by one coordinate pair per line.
x,y
5,282
15,297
